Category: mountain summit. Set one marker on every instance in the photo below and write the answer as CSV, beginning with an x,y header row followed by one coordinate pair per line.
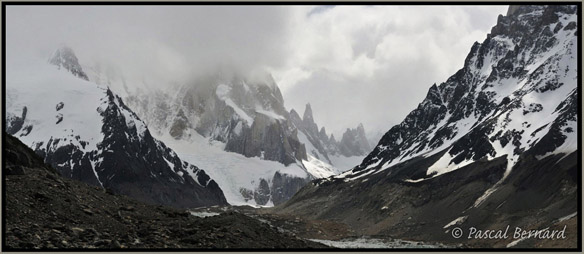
x,y
64,57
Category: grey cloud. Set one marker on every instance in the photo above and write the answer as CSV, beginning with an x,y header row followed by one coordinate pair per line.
x,y
353,64
147,39
410,48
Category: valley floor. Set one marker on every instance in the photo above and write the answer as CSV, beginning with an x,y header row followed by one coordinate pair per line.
x,y
46,211
330,233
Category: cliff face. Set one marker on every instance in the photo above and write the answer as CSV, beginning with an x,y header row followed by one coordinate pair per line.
x,y
512,9
268,139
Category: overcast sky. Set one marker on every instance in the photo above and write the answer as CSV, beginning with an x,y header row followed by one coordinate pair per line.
x,y
369,64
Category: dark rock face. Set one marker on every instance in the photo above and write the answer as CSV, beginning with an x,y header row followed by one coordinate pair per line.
x,y
284,187
308,120
180,123
141,177
500,132
268,139
65,57
18,158
262,194
15,123
354,142
281,189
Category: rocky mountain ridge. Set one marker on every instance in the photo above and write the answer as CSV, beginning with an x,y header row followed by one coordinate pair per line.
x,y
353,142
242,114
494,145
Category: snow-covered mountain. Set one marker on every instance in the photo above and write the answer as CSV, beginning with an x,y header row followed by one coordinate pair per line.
x,y
235,126
497,141
86,132
64,57
516,92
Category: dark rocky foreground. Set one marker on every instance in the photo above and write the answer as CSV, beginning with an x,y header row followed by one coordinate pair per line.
x,y
46,211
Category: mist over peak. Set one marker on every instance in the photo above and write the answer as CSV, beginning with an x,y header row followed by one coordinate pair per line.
x,y
364,52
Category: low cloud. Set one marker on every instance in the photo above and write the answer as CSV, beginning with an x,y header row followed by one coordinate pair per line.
x,y
369,64
163,42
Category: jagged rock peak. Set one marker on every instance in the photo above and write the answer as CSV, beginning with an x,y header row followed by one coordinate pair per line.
x,y
360,128
332,139
322,134
293,112
65,57
354,142
308,114
512,9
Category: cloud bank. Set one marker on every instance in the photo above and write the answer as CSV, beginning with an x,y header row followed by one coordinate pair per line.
x,y
369,64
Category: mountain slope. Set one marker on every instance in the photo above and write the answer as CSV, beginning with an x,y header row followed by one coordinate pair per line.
x,y
226,115
235,127
87,133
494,143
47,211
507,84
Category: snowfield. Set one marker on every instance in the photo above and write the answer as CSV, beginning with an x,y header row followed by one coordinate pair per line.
x,y
80,100
231,171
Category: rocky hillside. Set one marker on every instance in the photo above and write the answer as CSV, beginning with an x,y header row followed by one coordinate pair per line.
x,y
494,145
87,133
46,211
